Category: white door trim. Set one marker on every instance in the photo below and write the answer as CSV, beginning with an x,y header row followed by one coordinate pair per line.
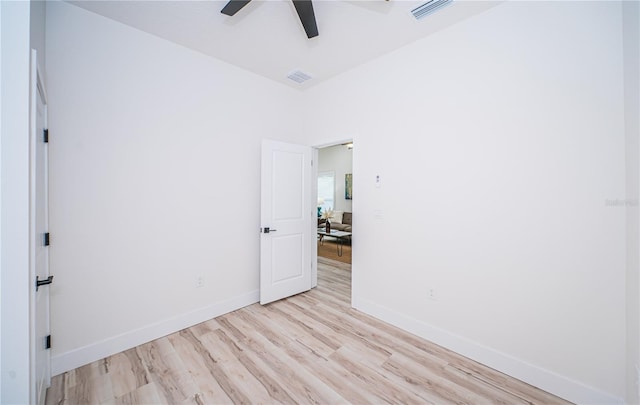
x,y
314,224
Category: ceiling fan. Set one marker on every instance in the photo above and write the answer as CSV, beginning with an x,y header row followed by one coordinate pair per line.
x,y
304,8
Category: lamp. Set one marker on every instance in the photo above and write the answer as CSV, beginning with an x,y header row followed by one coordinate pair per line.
x,y
320,204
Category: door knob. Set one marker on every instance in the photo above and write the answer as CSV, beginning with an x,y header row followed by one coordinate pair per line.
x,y
268,230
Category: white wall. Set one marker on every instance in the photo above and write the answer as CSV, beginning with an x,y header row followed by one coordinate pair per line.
x,y
631,38
337,159
14,215
155,181
503,143
1,268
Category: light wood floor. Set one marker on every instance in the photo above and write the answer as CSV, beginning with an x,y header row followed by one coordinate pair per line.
x,y
308,349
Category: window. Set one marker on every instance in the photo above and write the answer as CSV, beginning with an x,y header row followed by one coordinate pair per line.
x,y
326,190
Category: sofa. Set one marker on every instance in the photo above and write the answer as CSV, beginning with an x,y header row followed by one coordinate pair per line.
x,y
343,224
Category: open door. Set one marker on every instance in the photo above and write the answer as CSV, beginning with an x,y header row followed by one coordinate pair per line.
x,y
286,233
39,212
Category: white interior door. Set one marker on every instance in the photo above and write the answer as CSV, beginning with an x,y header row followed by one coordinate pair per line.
x,y
286,236
41,364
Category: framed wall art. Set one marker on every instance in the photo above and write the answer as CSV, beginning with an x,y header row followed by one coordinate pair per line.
x,y
348,186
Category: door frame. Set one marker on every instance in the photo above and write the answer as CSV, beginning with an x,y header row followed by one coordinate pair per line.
x,y
314,224
37,85
316,148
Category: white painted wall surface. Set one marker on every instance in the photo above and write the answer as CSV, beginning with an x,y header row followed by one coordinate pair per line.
x,y
155,181
337,159
14,159
499,142
1,272
631,43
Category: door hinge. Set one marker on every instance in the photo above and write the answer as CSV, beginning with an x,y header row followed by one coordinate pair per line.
x,y
45,135
47,342
46,241
46,281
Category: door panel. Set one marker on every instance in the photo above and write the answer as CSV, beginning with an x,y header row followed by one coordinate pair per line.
x,y
288,186
285,251
289,266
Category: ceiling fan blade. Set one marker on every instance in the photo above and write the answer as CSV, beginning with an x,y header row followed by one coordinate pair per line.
x,y
307,17
233,6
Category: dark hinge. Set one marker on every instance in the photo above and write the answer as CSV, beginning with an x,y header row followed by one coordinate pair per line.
x,y
46,281
46,239
47,342
45,135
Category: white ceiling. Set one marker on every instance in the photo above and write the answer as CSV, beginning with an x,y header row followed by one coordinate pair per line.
x,y
267,38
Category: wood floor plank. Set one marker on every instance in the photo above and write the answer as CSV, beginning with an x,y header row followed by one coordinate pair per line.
x,y
432,380
146,394
424,355
127,372
319,346
317,322
167,370
296,380
468,381
91,390
204,327
319,366
304,300
312,348
238,382
266,378
292,320
215,368
373,379
56,393
504,383
343,327
195,355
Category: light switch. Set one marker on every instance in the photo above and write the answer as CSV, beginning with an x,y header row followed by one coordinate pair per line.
x,y
378,181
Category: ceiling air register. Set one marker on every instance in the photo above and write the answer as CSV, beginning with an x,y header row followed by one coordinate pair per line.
x,y
429,7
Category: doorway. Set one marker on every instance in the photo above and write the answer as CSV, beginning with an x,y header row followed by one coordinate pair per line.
x,y
335,200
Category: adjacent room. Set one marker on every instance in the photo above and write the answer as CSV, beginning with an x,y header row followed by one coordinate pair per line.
x,y
486,153
335,202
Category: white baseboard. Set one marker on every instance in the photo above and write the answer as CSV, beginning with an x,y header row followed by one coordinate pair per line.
x,y
546,380
84,355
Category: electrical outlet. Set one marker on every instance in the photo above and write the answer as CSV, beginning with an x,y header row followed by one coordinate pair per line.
x,y
200,281
431,293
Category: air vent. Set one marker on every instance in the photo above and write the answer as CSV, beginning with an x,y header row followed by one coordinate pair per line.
x,y
298,76
428,8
